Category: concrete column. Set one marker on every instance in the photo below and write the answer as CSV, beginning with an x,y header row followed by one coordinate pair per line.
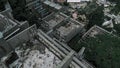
x,y
66,62
80,53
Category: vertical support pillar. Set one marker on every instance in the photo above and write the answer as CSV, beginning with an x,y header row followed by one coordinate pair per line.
x,y
66,62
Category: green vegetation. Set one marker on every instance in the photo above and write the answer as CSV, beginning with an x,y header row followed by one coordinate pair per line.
x,y
90,8
115,1
18,7
66,4
2,3
117,28
102,51
94,14
96,17
116,8
20,13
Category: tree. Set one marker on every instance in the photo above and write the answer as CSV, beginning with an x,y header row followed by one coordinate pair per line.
x,y
2,4
116,8
103,51
114,1
66,4
117,28
18,7
94,14
96,17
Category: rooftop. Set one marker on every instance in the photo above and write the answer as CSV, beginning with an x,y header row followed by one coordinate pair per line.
x,y
34,56
70,26
65,30
95,30
6,24
52,4
54,19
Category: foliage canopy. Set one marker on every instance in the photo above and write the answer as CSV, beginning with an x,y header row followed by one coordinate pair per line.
x,y
102,51
2,4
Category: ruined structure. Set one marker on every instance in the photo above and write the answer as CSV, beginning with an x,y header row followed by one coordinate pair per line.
x,y
68,29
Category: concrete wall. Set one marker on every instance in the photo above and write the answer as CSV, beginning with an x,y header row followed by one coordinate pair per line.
x,y
23,36
8,11
5,48
24,25
73,33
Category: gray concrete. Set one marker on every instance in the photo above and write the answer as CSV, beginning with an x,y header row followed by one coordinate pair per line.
x,y
66,62
5,48
60,51
80,53
21,37
68,30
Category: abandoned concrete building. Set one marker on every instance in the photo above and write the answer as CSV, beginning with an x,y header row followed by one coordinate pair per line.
x,y
27,46
42,8
95,30
68,29
53,20
8,11
37,8
57,56
53,5
8,27
18,33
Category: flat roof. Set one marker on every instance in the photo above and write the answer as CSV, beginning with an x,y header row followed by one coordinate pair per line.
x,y
6,24
54,19
35,56
95,30
69,27
52,4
